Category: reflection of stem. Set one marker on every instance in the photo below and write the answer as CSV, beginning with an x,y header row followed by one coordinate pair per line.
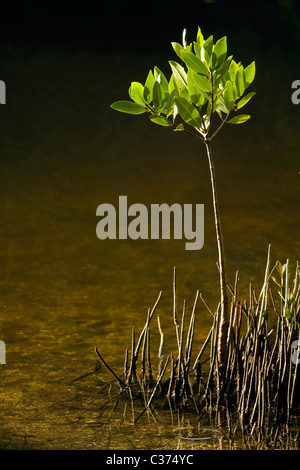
x,y
224,318
121,383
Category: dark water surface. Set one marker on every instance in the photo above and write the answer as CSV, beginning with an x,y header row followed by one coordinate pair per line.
x,y
63,291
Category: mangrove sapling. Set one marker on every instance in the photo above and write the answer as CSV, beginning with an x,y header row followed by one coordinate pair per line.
x,y
206,82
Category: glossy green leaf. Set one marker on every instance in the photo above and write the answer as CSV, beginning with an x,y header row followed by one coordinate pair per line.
x,y
136,92
196,94
161,120
148,89
189,48
228,96
157,95
160,77
219,52
188,112
128,107
180,127
222,70
249,74
200,39
185,94
197,49
208,45
221,106
217,96
178,48
206,51
219,113
239,82
179,73
233,68
193,90
173,86
245,100
196,88
202,83
193,62
165,102
169,107
239,119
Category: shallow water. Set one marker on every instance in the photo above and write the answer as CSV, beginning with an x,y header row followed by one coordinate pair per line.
x,y
63,291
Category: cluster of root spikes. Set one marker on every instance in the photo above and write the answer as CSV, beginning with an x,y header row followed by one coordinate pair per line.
x,y
259,383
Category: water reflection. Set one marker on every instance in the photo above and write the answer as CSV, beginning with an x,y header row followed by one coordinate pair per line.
x,y
63,291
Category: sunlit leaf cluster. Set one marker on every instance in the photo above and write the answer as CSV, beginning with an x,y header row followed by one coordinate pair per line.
x,y
203,82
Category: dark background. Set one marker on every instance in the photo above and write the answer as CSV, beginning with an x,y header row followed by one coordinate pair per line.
x,y
63,152
142,26
65,62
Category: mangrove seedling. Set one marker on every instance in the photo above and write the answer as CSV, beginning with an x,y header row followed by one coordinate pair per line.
x,y
207,82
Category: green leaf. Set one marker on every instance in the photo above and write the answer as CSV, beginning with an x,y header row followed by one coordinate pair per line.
x,y
193,91
233,68
179,73
200,39
173,86
221,106
228,96
169,103
136,92
208,45
245,100
128,107
193,62
202,83
221,71
195,87
196,95
178,48
148,89
188,112
157,95
161,120
160,77
239,119
219,52
239,82
249,74
197,49
180,127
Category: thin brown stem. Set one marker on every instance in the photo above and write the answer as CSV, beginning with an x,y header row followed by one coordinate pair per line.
x,y
220,127
224,312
